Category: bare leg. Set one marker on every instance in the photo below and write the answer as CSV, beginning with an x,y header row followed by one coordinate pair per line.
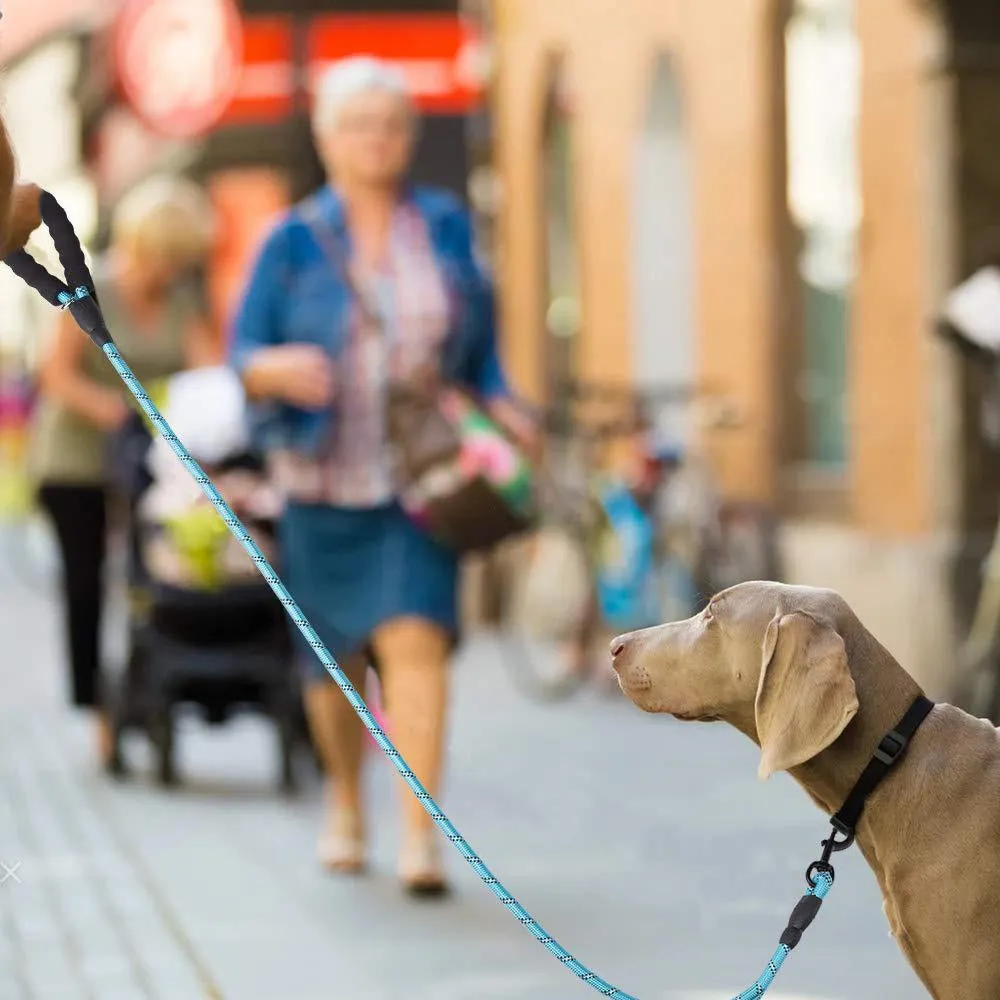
x,y
413,664
339,737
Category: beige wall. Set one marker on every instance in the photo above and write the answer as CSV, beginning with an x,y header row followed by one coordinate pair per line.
x,y
892,360
723,59
726,55
886,547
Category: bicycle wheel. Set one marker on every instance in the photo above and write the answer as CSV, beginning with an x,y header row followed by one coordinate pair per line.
x,y
741,545
977,688
991,698
677,592
550,623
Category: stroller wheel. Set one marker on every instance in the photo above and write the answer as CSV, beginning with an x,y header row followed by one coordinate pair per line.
x,y
286,721
114,764
289,781
161,732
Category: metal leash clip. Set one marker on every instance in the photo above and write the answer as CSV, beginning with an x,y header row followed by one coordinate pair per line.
x,y
831,846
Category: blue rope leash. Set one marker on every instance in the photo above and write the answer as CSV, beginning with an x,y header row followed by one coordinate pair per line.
x,y
823,881
77,294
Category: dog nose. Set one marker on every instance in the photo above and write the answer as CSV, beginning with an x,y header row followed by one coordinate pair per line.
x,y
618,646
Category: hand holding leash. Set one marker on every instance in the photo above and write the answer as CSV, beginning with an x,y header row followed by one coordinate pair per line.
x,y
24,218
76,293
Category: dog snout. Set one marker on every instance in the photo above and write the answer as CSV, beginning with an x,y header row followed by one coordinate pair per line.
x,y
620,647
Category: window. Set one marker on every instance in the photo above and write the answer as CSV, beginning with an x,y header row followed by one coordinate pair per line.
x,y
662,248
823,84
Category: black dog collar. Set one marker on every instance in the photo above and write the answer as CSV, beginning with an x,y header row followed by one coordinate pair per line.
x,y
888,752
891,748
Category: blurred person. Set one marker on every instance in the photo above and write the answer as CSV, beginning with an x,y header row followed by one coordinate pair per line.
x,y
160,231
375,587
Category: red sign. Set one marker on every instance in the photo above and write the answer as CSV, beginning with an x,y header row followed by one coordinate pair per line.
x,y
266,87
439,54
178,62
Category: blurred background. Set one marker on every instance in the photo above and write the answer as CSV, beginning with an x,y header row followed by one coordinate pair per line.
x,y
767,200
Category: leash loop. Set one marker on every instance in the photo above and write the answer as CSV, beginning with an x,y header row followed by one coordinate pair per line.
x,y
75,291
69,249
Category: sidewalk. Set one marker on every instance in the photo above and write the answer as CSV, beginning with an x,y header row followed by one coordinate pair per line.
x,y
647,847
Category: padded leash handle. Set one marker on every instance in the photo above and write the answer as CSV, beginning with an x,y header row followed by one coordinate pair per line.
x,y
76,292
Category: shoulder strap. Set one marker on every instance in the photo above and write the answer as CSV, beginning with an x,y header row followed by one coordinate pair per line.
x,y
335,252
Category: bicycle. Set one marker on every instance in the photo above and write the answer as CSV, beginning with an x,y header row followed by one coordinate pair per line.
x,y
979,655
971,334
573,575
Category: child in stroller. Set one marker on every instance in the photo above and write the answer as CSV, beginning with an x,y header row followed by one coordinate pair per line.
x,y
205,629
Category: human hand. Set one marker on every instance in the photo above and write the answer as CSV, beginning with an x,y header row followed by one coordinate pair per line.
x,y
25,217
114,412
299,374
521,428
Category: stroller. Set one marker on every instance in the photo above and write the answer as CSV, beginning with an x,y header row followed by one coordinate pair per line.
x,y
205,630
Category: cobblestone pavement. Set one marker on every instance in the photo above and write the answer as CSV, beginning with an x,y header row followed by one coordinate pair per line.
x,y
647,847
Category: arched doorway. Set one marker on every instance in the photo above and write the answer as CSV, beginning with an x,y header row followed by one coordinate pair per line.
x,y
664,351
561,299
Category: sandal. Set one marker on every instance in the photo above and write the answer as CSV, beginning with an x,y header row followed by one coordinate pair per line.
x,y
342,849
420,869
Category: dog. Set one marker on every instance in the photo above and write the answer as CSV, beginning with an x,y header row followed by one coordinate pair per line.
x,y
793,669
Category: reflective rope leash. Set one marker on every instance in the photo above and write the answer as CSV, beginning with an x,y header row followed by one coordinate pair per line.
x,y
78,296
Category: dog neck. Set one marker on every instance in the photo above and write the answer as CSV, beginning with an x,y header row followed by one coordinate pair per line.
x,y
885,692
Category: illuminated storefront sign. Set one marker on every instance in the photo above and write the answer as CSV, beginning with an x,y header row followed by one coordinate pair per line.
x,y
179,62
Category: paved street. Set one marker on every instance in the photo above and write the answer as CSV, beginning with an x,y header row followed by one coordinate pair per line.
x,y
648,848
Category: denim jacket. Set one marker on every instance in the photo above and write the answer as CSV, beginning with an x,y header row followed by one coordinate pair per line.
x,y
296,295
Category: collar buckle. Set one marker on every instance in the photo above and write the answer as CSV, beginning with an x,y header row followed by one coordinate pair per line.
x,y
891,748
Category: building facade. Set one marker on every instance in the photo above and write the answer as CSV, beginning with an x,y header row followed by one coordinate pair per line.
x,y
755,198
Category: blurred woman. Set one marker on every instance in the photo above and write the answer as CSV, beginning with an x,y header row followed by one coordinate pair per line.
x,y
161,231
374,586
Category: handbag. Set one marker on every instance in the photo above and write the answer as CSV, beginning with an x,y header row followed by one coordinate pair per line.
x,y
457,474
125,457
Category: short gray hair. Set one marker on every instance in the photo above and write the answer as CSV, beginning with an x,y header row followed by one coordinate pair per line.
x,y
349,77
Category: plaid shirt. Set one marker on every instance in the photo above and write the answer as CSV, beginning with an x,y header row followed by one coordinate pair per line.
x,y
409,297
436,307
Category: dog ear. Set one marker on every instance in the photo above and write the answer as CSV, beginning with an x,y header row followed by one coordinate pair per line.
x,y
806,695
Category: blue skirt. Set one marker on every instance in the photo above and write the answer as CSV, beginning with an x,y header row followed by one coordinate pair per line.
x,y
351,570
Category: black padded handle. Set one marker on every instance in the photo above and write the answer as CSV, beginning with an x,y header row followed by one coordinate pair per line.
x,y
32,273
76,292
67,243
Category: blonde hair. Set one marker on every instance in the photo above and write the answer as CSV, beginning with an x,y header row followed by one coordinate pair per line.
x,y
348,78
169,219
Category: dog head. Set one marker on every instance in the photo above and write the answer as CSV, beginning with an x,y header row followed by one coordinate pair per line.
x,y
768,658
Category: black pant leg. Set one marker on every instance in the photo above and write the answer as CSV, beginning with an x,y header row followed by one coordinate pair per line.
x,y
79,515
